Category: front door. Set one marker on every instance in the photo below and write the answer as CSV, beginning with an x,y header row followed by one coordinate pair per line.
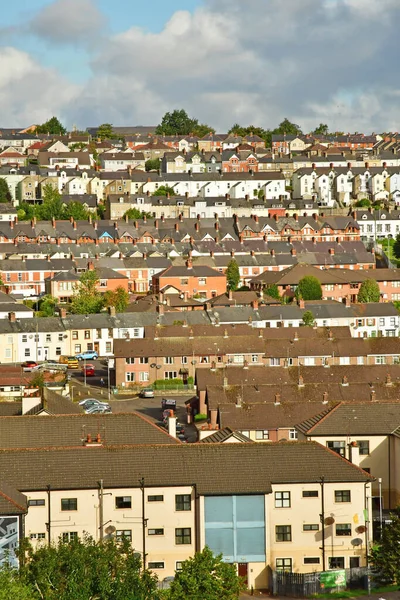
x,y
243,569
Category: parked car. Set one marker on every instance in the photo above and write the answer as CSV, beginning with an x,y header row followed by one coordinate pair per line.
x,y
89,370
29,365
91,402
98,410
168,403
83,402
70,361
147,393
87,355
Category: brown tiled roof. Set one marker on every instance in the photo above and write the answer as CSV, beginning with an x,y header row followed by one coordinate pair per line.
x,y
381,418
214,468
222,435
12,502
267,415
10,409
69,430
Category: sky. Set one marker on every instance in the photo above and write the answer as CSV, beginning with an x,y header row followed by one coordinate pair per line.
x,y
127,62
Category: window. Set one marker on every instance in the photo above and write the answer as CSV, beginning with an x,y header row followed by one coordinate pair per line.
x,y
123,534
184,281
60,337
143,360
58,351
283,533
155,498
168,360
363,447
40,502
170,375
202,281
183,535
25,338
155,531
8,353
155,565
48,337
27,352
69,504
98,334
282,499
179,565
338,447
183,502
311,560
108,347
144,376
336,562
344,360
123,502
343,529
130,377
254,358
103,283
184,360
130,360
292,434
87,334
262,434
69,536
310,493
77,348
274,362
283,564
37,536
310,527
342,496
380,360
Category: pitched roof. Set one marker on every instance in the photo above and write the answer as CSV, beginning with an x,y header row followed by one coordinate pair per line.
x,y
214,468
223,436
12,502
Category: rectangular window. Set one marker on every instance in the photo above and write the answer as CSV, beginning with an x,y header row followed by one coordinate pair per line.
x,y
48,337
168,360
155,531
262,434
179,565
380,360
24,339
311,560
87,334
130,377
310,527
183,535
170,375
77,348
144,376
342,496
40,502
336,562
274,362
184,360
143,360
123,534
69,504
27,352
130,360
58,351
108,347
98,334
293,434
283,564
338,447
183,502
363,447
155,565
155,498
283,533
123,502
37,536
282,499
69,536
343,529
310,493
254,358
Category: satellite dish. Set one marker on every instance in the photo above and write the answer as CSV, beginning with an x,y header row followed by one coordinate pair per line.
x,y
110,529
329,521
356,542
361,529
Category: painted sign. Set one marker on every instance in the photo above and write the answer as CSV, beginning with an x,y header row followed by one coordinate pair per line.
x,y
332,579
9,537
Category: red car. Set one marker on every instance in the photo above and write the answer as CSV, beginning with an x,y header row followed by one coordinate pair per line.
x,y
29,365
89,370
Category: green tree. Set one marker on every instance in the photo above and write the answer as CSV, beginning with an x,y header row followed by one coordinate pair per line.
x,y
308,318
105,131
232,275
12,585
5,195
369,291
51,204
134,213
178,122
363,203
47,306
206,577
385,555
288,128
86,298
52,126
272,291
309,288
153,164
396,246
86,569
163,190
76,210
119,298
322,129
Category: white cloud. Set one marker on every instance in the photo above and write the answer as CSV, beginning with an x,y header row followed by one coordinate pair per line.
x,y
30,93
68,22
255,62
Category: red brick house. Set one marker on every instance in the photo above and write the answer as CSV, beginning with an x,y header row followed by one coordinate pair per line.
x,y
197,281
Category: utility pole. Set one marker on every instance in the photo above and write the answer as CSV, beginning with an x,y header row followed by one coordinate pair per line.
x,y
322,518
101,510
144,522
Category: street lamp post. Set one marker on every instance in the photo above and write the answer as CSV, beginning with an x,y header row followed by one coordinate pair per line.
x,y
108,378
71,387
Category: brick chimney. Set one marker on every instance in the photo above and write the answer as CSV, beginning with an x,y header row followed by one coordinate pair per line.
x,y
293,252
372,396
189,263
301,381
277,399
301,303
325,397
176,226
331,251
347,301
254,304
388,380
345,381
12,317
63,313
